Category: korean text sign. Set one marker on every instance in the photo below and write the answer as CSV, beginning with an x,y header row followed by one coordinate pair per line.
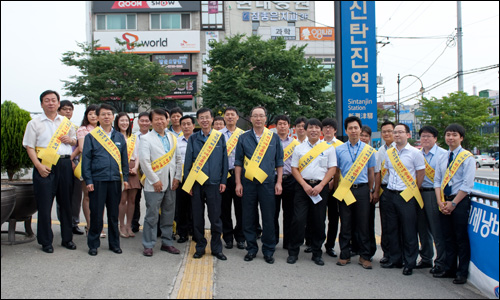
x,y
359,61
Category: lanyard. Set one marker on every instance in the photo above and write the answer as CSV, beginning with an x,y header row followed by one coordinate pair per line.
x,y
355,154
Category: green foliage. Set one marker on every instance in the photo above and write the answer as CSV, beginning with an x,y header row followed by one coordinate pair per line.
x,y
385,114
469,111
14,155
128,77
248,72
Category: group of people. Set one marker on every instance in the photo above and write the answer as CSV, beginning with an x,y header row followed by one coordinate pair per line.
x,y
423,195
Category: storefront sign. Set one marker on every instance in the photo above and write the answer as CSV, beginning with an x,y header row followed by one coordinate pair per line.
x,y
317,33
287,32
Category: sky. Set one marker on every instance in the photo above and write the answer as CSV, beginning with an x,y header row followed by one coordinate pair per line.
x,y
31,47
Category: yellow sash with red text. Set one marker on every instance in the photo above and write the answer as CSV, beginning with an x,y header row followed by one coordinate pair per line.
x,y
109,145
343,192
232,142
411,186
162,161
288,151
252,166
131,145
429,171
450,171
49,155
196,173
312,154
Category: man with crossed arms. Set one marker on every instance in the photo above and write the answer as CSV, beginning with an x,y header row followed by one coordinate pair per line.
x,y
356,161
313,166
162,169
406,167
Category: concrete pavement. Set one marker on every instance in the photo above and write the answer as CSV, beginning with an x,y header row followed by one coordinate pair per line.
x,y
27,272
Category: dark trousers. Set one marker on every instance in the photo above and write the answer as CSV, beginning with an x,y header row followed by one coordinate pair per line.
x,y
432,217
76,203
360,212
285,200
106,193
302,208
456,237
137,210
255,193
210,195
58,184
371,232
183,212
384,242
333,221
228,197
404,214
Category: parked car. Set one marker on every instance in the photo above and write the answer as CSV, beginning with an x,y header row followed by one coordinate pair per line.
x,y
484,160
496,164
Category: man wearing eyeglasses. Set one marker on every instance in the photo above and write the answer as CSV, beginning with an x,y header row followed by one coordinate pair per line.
x,y
258,154
406,167
428,218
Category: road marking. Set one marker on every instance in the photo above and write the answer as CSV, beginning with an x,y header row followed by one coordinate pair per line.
x,y
197,280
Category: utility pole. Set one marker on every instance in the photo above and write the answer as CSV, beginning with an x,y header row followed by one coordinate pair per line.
x,y
460,56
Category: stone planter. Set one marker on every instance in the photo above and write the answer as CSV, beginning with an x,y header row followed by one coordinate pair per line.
x,y
23,211
8,201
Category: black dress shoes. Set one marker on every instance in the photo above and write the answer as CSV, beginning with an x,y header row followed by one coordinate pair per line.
x,y
436,269
229,245
240,245
250,256
48,249
292,259
116,250
77,230
423,265
308,249
443,274
182,239
69,245
318,260
198,255
384,260
269,259
407,271
391,265
331,252
460,280
220,256
93,252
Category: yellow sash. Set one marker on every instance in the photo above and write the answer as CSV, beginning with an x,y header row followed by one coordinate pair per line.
x,y
78,169
429,171
403,173
312,154
450,172
233,140
288,151
109,145
196,173
131,145
162,161
343,192
252,166
337,143
49,155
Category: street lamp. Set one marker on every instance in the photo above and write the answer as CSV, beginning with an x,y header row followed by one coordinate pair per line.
x,y
422,90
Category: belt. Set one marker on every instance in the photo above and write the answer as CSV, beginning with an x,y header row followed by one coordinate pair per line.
x,y
427,189
312,182
65,156
384,186
394,191
286,176
450,197
356,186
231,172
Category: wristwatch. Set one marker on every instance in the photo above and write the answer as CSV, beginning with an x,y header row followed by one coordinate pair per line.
x,y
372,190
453,204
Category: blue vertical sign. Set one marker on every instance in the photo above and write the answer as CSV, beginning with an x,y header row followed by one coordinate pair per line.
x,y
359,61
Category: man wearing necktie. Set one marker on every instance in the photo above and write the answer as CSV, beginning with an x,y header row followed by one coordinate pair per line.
x,y
454,204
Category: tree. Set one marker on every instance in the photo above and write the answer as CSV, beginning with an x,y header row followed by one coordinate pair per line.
x,y
247,71
14,155
469,111
128,77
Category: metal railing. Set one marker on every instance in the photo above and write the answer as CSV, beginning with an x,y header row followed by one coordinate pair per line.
x,y
488,199
486,191
488,181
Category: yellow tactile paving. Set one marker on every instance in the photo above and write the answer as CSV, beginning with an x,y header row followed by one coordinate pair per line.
x,y
197,280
